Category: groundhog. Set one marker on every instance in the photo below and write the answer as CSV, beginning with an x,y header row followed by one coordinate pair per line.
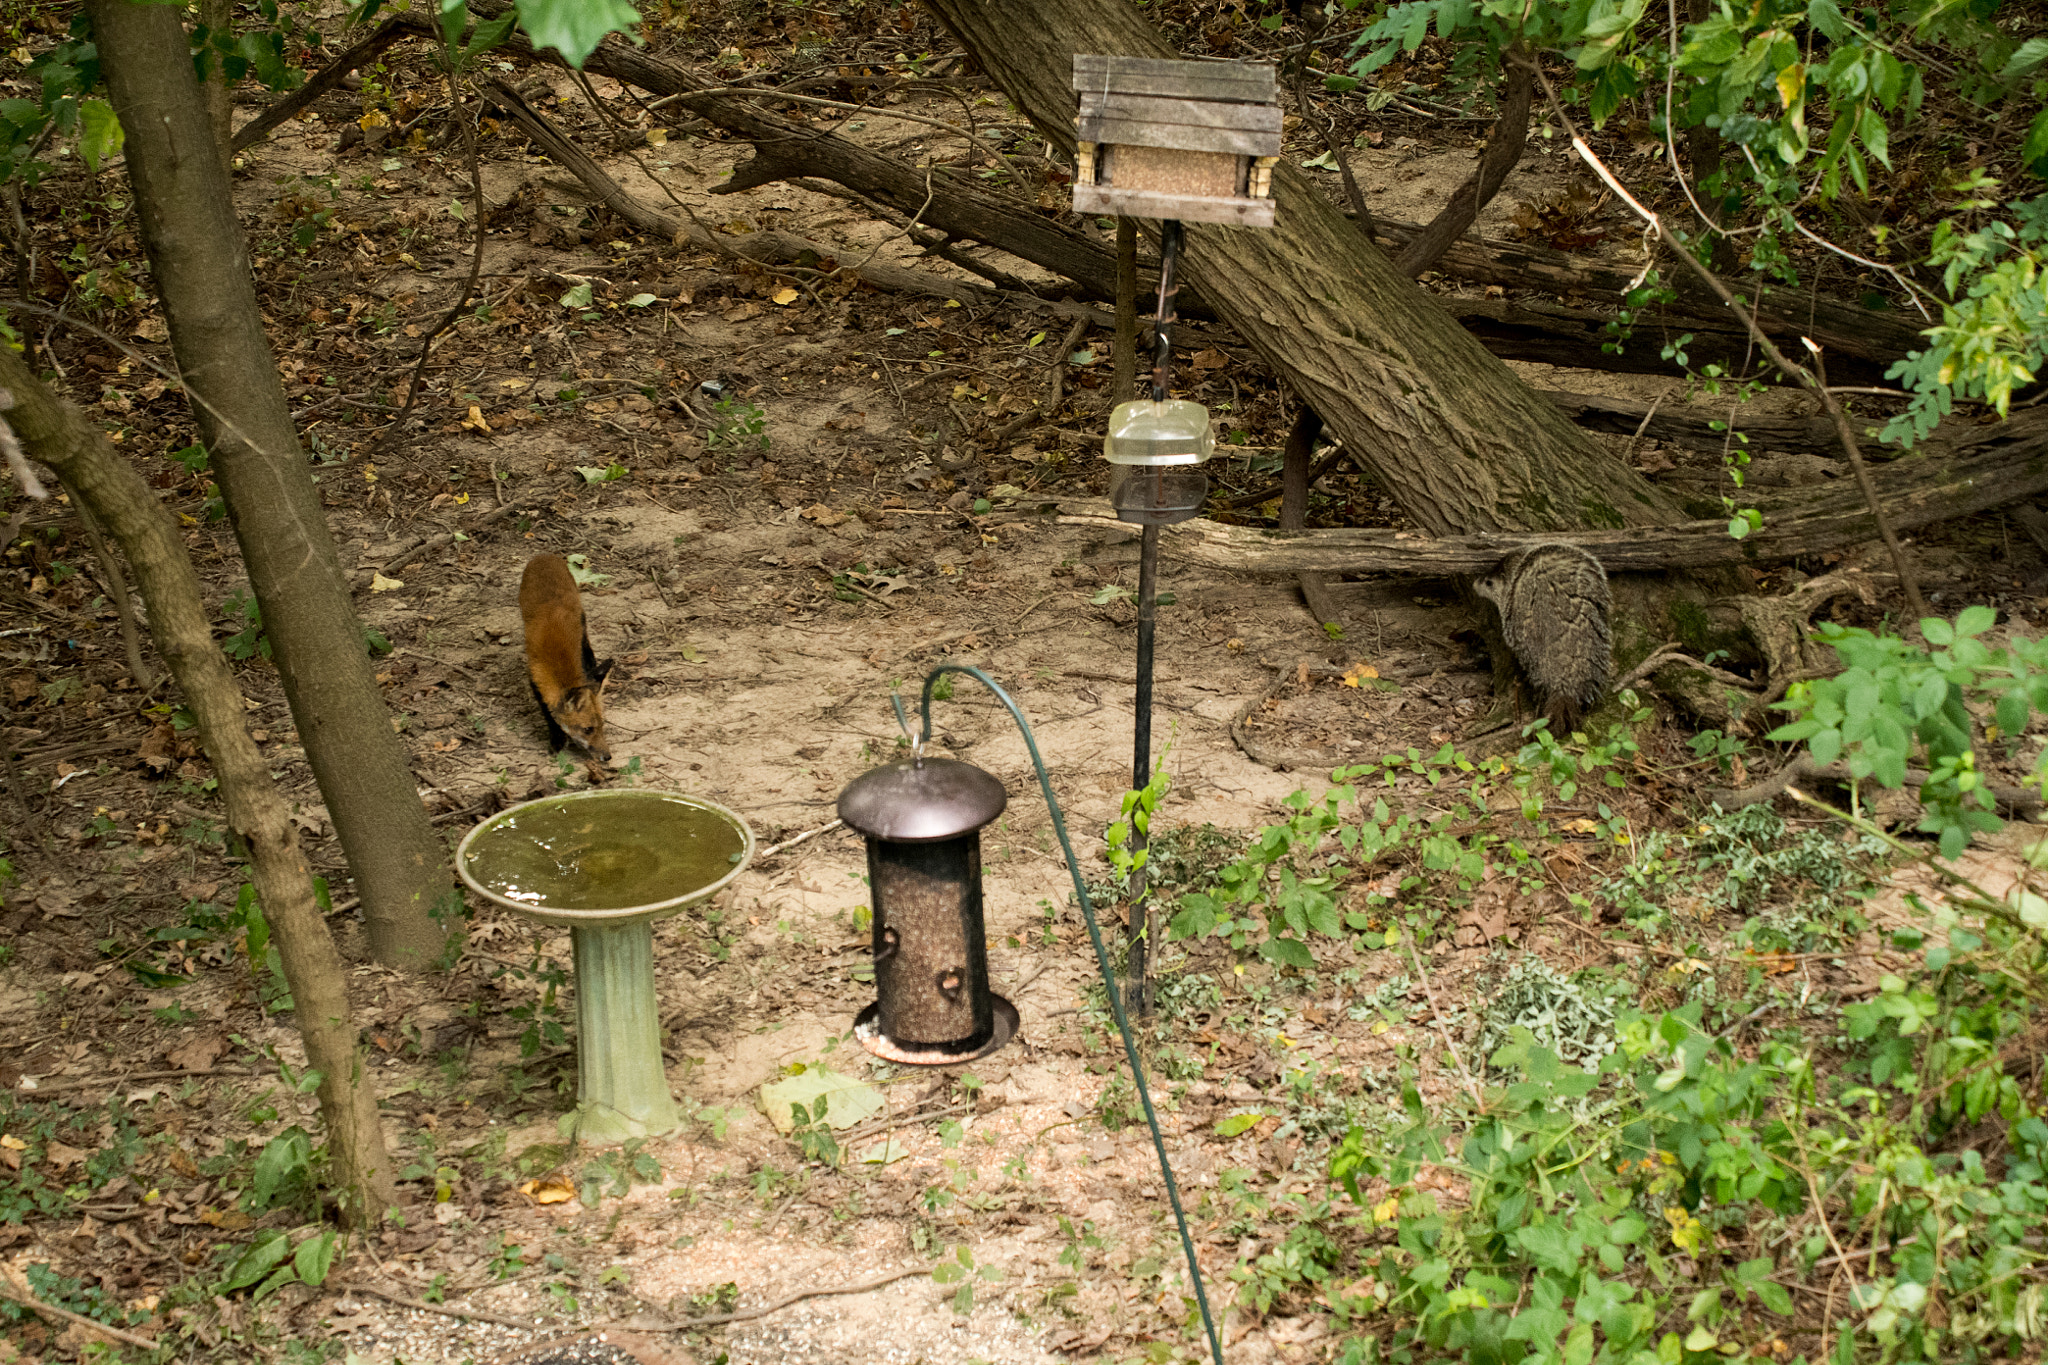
x,y
1553,607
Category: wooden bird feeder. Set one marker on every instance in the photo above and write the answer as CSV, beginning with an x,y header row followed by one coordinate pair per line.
x,y
1194,141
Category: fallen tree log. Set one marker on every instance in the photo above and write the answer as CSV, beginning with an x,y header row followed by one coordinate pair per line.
x,y
2009,463
330,77
1813,435
1843,329
2017,801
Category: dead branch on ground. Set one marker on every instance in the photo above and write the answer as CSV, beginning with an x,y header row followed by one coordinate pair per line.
x,y
330,77
2009,465
2017,801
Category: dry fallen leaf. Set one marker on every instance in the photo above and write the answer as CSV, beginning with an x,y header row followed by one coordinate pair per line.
x,y
786,295
379,583
553,1190
1478,925
62,1155
199,1054
823,515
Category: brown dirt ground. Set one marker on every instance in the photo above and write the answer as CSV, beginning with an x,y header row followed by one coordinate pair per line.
x,y
745,679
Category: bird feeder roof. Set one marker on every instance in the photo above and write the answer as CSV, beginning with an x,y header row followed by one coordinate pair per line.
x,y
1187,106
921,802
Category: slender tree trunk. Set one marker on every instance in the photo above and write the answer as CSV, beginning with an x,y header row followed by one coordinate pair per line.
x,y
1454,435
219,18
1123,351
55,433
200,261
1703,158
1503,152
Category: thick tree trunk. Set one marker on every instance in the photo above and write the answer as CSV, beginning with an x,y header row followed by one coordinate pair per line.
x,y
200,262
60,437
1458,440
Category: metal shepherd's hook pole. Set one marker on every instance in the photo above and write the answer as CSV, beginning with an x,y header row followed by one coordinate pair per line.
x,y
1140,993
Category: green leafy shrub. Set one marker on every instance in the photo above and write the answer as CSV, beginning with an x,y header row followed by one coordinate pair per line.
x,y
1664,1207
1896,703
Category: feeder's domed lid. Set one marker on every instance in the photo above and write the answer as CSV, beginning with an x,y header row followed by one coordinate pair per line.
x,y
912,803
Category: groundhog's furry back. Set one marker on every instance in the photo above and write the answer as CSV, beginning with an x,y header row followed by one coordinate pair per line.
x,y
1554,605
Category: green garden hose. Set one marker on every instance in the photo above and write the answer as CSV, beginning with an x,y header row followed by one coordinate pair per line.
x,y
1116,1005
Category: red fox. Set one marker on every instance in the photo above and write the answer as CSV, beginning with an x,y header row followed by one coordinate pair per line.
x,y
568,681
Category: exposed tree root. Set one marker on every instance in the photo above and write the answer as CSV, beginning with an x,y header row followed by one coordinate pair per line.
x,y
2016,801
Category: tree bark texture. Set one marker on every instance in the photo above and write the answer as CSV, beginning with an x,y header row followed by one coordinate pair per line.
x,y
200,262
1864,340
1767,434
2009,465
1456,437
58,435
219,18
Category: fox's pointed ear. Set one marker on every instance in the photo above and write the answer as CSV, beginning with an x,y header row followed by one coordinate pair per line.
x,y
604,673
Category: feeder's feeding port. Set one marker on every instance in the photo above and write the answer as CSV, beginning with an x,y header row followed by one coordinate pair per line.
x,y
922,820
605,865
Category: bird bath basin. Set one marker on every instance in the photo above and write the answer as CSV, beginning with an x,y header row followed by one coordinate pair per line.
x,y
606,865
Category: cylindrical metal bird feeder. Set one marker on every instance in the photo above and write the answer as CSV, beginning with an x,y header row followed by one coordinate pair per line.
x,y
922,819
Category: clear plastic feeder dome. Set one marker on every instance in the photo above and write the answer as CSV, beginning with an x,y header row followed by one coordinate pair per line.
x,y
1172,432
1155,453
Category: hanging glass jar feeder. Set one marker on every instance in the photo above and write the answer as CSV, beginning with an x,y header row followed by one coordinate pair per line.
x,y
1156,448
922,820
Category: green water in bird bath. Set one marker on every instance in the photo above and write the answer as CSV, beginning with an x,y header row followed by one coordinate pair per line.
x,y
588,856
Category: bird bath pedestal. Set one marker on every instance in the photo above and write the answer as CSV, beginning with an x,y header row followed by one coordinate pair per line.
x,y
605,865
